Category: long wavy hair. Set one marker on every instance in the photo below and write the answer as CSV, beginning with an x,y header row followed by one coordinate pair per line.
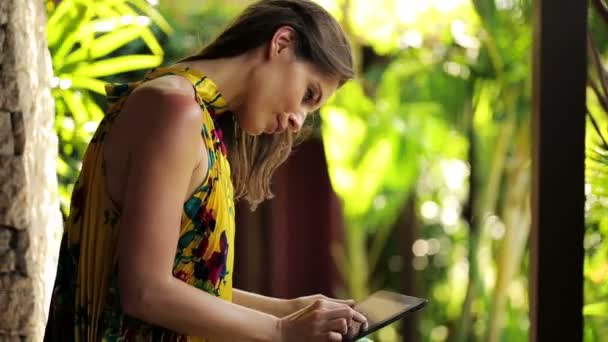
x,y
319,40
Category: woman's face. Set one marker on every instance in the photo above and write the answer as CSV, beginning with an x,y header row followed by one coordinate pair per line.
x,y
282,90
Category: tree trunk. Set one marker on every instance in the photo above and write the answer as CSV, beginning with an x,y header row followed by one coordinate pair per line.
x,y
29,206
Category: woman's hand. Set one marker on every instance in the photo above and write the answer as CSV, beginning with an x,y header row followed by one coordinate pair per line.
x,y
300,303
322,321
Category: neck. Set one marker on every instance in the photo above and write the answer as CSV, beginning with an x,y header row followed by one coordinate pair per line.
x,y
229,74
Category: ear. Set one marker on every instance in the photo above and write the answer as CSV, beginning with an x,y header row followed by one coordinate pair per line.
x,y
282,41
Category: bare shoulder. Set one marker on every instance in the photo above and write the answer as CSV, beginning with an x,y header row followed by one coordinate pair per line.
x,y
163,107
168,84
165,96
158,125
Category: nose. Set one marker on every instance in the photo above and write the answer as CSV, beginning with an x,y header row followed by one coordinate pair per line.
x,y
295,121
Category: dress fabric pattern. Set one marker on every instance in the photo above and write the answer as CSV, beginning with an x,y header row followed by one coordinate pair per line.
x,y
85,302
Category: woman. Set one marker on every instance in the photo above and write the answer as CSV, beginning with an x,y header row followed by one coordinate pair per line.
x,y
149,244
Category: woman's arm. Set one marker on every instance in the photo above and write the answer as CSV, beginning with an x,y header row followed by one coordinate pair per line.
x,y
277,306
274,306
164,148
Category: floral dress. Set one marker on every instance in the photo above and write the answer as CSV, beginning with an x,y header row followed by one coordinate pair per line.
x,y
85,304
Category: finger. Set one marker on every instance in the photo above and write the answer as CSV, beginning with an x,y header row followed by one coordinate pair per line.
x,y
316,297
359,317
353,329
345,312
333,336
329,303
339,325
342,312
349,302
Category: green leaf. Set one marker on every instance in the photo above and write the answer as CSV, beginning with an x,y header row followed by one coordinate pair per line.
x,y
57,21
63,168
95,112
596,309
91,84
125,8
111,41
152,42
107,11
487,11
154,15
75,106
118,65
122,7
72,33
121,35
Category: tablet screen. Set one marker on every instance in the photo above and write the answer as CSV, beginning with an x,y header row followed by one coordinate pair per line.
x,y
385,307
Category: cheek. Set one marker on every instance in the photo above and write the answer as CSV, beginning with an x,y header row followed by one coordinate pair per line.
x,y
286,98
293,91
279,89
261,101
262,94
254,113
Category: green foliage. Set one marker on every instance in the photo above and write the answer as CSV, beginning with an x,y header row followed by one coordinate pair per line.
x,y
452,102
86,40
195,23
595,310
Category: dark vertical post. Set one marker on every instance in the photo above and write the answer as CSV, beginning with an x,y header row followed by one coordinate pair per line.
x,y
560,72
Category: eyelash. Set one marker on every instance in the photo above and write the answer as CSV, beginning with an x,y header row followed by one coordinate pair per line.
x,y
309,95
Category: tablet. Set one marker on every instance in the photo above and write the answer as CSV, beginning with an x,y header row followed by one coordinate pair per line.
x,y
385,307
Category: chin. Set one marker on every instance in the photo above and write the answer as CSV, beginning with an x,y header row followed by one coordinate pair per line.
x,y
247,126
254,131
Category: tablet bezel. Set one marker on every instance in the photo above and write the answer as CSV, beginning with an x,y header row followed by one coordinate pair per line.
x,y
417,304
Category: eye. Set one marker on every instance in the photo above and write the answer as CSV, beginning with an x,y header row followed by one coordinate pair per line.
x,y
308,97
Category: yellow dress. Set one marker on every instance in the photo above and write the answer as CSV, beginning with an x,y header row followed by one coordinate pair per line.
x,y
85,304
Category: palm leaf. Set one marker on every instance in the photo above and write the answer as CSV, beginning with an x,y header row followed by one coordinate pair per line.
x,y
57,22
151,12
113,40
151,42
75,106
118,65
72,32
88,83
147,34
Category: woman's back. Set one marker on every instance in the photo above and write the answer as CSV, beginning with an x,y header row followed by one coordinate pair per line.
x,y
86,304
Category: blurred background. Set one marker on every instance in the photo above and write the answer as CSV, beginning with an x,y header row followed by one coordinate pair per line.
x,y
417,178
